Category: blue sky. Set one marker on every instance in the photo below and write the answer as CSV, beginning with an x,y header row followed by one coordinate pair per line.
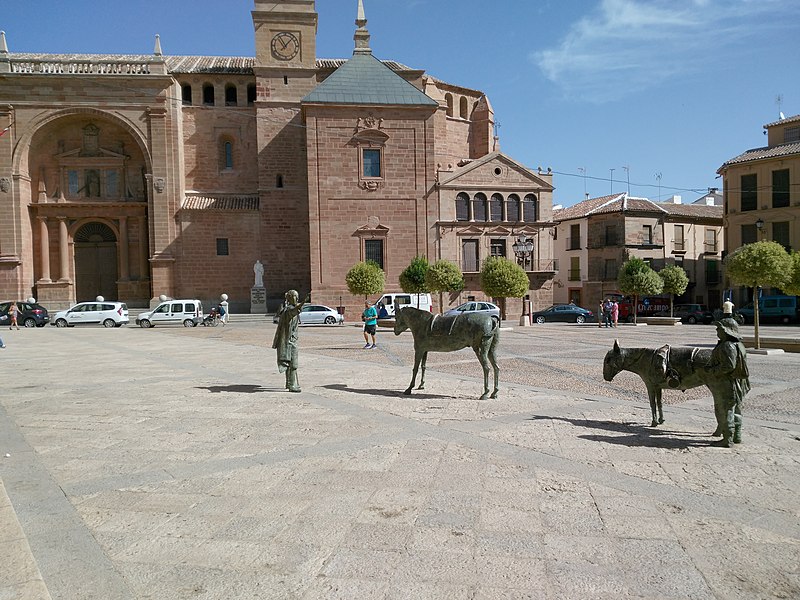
x,y
670,87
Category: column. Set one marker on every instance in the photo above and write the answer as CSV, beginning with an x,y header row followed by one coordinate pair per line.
x,y
124,273
44,241
144,265
63,248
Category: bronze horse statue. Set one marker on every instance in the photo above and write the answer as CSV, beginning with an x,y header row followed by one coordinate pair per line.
x,y
437,333
679,368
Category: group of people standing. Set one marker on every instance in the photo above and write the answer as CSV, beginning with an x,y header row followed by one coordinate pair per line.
x,y
608,313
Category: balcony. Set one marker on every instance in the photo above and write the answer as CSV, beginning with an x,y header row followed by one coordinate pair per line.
x,y
574,243
710,247
574,275
679,246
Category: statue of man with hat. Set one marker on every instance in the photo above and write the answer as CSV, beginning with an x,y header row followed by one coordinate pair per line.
x,y
729,365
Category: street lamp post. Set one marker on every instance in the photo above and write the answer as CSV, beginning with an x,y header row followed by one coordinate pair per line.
x,y
523,250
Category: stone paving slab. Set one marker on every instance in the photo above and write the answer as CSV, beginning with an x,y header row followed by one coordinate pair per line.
x,y
169,463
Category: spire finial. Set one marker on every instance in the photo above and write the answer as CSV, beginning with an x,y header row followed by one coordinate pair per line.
x,y
362,35
3,45
157,49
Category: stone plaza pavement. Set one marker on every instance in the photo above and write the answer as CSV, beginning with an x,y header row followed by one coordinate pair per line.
x,y
169,464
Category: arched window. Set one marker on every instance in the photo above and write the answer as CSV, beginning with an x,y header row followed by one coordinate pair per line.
x,y
463,108
251,94
530,209
208,94
513,206
186,95
227,154
479,208
230,95
279,181
496,208
462,207
449,99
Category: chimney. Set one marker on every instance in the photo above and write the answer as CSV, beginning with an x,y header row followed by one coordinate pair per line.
x,y
709,200
676,199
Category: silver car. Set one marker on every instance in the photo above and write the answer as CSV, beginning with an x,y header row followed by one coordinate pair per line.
x,y
317,314
486,308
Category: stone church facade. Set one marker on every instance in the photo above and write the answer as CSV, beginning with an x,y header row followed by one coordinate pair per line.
x,y
133,176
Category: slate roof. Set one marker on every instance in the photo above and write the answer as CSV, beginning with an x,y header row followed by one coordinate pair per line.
x,y
622,202
762,153
364,80
220,202
183,64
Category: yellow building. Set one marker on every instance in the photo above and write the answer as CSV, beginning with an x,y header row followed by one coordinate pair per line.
x,y
760,188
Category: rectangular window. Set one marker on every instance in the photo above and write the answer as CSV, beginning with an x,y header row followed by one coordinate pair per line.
x,y
112,189
574,237
749,234
574,268
679,243
611,235
791,134
498,248
222,247
712,272
749,193
469,254
610,269
373,250
72,183
371,162
780,234
711,240
647,234
780,188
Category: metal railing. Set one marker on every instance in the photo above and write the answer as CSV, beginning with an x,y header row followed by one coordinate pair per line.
x,y
574,275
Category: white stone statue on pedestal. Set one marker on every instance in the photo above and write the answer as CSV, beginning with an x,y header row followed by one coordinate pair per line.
x,y
258,269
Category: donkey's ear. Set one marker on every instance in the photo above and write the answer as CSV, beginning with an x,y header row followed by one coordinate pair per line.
x,y
616,346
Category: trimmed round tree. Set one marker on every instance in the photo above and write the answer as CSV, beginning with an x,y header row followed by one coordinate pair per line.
x,y
444,276
636,278
502,278
675,282
762,264
365,279
412,279
793,287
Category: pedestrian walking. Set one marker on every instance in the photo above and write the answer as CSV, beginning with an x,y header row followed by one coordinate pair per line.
x,y
607,312
727,308
370,318
13,311
614,312
600,314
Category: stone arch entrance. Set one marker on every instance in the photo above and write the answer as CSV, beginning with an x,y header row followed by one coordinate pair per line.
x,y
95,262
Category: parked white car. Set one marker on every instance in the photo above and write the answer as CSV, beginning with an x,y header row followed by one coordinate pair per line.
x,y
312,314
107,314
188,313
485,308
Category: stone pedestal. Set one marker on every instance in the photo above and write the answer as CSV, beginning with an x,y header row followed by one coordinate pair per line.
x,y
258,300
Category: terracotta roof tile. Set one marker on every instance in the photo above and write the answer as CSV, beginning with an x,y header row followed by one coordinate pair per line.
x,y
762,153
783,121
618,203
220,202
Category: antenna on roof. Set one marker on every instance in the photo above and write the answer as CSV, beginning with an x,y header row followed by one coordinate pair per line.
x,y
658,176
779,102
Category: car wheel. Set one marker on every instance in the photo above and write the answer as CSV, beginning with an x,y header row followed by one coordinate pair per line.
x,y
29,323
580,319
145,324
188,323
109,323
691,320
540,319
329,320
61,323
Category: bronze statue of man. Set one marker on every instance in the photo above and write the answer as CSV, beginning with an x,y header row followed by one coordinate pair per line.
x,y
286,339
729,365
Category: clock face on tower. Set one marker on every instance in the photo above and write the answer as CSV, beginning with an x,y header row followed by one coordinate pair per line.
x,y
285,45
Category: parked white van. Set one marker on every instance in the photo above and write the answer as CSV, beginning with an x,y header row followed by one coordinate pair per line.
x,y
189,313
390,303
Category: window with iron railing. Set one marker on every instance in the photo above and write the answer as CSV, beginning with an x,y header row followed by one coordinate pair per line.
x,y
574,243
711,240
678,244
712,272
574,275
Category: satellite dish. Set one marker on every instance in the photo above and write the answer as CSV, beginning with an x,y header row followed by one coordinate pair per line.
x,y
781,114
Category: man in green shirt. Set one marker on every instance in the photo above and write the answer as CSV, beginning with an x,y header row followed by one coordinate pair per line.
x,y
370,318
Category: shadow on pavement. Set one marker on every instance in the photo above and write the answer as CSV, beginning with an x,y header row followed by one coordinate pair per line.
x,y
390,393
238,389
636,435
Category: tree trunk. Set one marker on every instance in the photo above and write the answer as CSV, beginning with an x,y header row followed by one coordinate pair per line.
x,y
755,317
671,302
636,309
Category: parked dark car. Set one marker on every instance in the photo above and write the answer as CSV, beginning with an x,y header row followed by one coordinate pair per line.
x,y
689,313
30,315
563,313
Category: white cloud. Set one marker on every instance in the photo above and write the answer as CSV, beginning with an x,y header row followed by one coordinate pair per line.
x,y
625,46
